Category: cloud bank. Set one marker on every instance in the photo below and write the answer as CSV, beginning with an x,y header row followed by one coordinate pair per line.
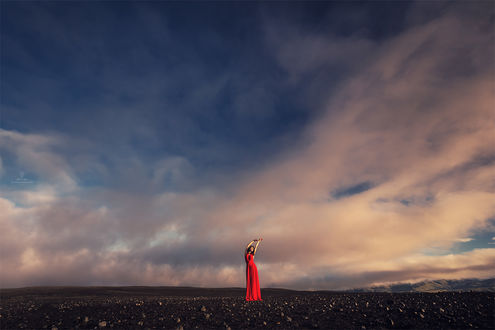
x,y
398,162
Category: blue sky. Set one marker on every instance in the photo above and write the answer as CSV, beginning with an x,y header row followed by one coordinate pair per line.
x,y
166,135
193,80
168,77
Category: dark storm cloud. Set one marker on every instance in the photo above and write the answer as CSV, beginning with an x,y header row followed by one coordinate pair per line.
x,y
144,80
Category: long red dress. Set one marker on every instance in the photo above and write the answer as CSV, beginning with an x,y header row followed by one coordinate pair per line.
x,y
252,281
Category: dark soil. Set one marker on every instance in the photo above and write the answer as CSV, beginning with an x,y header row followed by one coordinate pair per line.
x,y
182,307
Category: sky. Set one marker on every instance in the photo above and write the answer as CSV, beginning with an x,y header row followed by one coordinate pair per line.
x,y
147,143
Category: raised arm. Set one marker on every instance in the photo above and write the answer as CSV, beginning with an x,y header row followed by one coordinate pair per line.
x,y
250,243
257,243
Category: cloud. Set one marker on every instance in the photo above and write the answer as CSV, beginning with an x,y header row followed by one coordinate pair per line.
x,y
464,240
36,152
476,263
400,144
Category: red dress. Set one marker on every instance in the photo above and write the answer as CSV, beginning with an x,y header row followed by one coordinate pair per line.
x,y
252,281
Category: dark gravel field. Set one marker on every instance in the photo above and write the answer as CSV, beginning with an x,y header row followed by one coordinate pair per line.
x,y
177,308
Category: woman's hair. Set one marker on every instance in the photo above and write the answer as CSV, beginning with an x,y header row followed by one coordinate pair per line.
x,y
248,250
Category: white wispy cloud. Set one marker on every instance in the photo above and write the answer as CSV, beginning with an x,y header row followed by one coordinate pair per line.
x,y
464,240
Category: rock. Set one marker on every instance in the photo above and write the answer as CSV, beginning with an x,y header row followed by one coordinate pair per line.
x,y
313,310
102,324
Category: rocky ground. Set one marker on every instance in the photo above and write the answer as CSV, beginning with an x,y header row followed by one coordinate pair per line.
x,y
176,308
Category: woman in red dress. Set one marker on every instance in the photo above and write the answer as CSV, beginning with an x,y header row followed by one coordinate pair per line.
x,y
252,280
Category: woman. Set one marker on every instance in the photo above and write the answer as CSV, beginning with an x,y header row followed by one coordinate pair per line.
x,y
252,281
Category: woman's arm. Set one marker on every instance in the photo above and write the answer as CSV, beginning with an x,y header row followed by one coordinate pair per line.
x,y
250,243
257,243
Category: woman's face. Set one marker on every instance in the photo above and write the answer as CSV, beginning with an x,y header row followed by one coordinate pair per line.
x,y
251,250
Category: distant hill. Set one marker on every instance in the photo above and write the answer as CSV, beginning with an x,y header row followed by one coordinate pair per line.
x,y
435,286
